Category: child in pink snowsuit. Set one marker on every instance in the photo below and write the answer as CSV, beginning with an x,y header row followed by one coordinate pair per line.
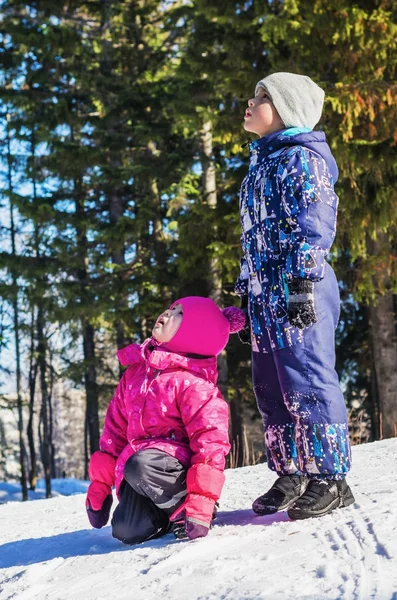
x,y
165,434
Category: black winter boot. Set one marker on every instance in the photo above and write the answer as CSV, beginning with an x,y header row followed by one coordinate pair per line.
x,y
283,493
321,497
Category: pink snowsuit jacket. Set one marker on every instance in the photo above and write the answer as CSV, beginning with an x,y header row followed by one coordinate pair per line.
x,y
169,402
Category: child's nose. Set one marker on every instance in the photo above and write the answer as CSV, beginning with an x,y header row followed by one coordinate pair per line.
x,y
251,102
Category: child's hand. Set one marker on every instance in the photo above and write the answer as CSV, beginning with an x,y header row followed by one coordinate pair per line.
x,y
98,504
204,484
99,495
193,518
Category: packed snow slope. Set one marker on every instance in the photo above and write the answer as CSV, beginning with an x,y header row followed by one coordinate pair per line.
x,y
50,552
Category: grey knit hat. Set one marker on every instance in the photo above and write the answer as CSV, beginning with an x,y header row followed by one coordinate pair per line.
x,y
297,99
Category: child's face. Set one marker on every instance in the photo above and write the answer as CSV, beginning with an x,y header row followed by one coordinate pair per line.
x,y
168,324
261,117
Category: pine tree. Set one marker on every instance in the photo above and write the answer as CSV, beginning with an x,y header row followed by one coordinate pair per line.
x,y
210,78
14,298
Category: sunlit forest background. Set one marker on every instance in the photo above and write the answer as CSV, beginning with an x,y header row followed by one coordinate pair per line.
x,y
121,133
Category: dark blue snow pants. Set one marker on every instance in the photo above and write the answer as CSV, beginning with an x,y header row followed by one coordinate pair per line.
x,y
300,399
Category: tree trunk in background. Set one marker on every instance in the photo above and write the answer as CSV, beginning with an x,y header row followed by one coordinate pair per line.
x,y
44,425
32,390
116,211
237,455
215,292
22,453
150,237
375,432
116,246
384,348
91,388
88,334
210,198
51,414
158,234
46,445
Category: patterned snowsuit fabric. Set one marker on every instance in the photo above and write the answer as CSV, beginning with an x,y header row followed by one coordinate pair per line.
x,y
288,211
170,403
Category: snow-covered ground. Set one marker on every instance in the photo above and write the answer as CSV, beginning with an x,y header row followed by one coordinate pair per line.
x,y
49,551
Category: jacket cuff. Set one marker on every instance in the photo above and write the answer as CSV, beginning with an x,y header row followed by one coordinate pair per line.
x,y
205,480
299,287
197,509
308,262
102,468
97,494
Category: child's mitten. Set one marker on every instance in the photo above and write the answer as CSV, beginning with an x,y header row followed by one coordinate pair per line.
x,y
301,313
99,518
99,495
204,484
193,518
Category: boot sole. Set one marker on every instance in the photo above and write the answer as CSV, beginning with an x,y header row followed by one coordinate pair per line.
x,y
280,509
339,502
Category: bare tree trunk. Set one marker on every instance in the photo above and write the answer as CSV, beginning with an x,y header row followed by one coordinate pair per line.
x,y
86,454
236,428
92,418
51,414
116,210
150,239
22,452
384,347
114,194
44,412
88,334
215,290
210,197
150,218
32,391
158,233
44,421
375,429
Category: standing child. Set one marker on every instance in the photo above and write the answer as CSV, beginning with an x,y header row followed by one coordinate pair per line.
x,y
165,434
288,213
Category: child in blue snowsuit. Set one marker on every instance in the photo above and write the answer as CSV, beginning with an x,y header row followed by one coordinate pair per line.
x,y
288,213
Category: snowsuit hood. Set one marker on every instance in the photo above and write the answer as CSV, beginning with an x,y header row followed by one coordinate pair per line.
x,y
295,136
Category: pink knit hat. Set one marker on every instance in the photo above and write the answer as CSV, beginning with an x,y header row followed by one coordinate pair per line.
x,y
205,328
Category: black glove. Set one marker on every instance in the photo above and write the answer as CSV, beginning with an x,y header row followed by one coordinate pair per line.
x,y
245,334
301,313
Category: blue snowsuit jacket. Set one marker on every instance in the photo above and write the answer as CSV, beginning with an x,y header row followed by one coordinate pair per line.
x,y
288,211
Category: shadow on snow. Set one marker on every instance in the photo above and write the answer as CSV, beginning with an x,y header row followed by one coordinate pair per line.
x,y
90,541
